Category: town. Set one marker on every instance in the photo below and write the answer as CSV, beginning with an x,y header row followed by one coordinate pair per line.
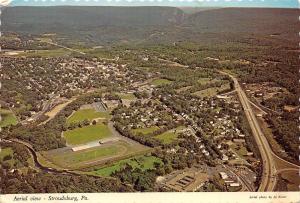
x,y
180,116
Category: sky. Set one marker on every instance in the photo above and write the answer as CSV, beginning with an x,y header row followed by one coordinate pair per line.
x,y
176,3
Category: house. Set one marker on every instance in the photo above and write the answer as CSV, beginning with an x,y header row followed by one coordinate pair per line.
x,y
239,140
234,184
223,175
225,158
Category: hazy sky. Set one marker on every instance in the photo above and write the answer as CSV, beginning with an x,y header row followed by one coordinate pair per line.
x,y
177,3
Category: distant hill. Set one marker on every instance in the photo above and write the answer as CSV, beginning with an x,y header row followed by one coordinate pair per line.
x,y
246,20
150,24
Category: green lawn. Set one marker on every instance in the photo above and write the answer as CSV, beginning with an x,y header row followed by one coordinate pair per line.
x,y
145,131
8,118
142,162
101,53
93,156
213,91
6,151
88,114
169,136
128,96
87,134
241,150
204,81
44,39
159,82
70,159
47,53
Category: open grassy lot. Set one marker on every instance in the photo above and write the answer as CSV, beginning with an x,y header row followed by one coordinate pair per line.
x,y
46,53
100,53
141,162
159,82
242,151
44,39
169,136
204,81
8,118
239,149
83,114
95,156
146,131
213,91
87,134
5,152
128,96
71,159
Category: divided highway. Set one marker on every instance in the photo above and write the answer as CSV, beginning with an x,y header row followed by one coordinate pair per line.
x,y
268,179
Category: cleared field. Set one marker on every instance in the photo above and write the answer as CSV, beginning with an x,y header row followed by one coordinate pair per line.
x,y
240,150
44,39
128,96
70,159
5,151
8,118
141,162
213,91
94,156
87,134
204,81
53,112
169,136
86,114
46,53
159,82
145,131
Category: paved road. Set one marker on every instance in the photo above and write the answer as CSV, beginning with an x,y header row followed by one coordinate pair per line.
x,y
246,186
46,108
268,179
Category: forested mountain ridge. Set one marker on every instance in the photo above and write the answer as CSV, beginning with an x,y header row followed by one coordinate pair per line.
x,y
148,24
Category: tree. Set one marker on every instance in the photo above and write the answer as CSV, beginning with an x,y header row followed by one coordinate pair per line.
x,y
7,157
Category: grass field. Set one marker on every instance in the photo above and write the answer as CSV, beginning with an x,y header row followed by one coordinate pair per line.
x,y
101,53
204,81
87,134
213,91
242,151
46,53
44,39
94,156
71,159
8,118
169,136
83,114
145,131
159,82
128,96
239,149
141,162
7,151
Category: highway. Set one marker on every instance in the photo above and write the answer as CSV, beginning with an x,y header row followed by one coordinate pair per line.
x,y
268,178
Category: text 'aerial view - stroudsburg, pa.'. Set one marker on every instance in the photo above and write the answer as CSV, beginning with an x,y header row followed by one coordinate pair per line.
x,y
148,99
